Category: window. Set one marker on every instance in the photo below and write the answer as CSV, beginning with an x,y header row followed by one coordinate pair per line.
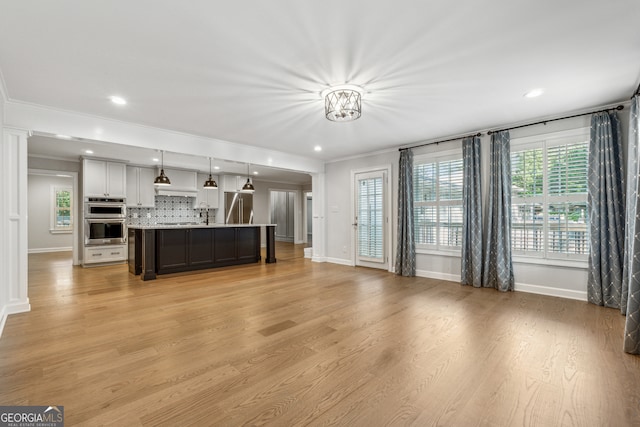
x,y
62,215
437,198
549,196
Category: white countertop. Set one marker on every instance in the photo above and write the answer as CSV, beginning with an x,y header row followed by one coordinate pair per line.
x,y
212,225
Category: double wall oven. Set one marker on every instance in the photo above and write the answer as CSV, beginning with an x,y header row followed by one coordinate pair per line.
x,y
105,221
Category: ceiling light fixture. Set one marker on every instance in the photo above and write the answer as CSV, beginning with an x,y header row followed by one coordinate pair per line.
x,y
162,179
88,151
248,186
534,93
210,184
317,148
342,103
118,100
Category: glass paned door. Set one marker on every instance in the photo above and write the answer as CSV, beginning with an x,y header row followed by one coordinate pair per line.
x,y
370,220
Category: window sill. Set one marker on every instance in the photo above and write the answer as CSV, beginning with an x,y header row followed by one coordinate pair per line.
x,y
454,254
567,263
60,231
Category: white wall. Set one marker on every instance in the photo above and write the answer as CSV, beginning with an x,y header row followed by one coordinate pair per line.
x,y
41,239
558,280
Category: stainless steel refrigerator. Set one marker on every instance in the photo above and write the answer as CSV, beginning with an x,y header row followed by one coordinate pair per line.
x,y
238,208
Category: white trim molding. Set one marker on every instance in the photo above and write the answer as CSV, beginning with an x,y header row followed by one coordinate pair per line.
x,y
13,223
47,250
341,261
552,292
438,275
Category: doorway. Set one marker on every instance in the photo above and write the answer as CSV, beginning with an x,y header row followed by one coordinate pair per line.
x,y
53,212
371,218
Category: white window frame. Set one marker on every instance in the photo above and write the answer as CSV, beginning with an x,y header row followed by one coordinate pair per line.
x,y
54,227
438,249
545,142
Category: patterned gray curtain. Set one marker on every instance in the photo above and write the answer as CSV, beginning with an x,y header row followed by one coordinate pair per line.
x,y
471,213
406,251
630,301
498,267
606,211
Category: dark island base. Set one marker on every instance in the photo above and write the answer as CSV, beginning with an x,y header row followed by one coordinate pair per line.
x,y
163,251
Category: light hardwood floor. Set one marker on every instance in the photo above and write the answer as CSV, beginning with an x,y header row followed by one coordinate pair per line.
x,y
297,343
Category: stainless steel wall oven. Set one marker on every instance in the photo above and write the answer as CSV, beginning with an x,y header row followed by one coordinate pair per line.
x,y
105,221
100,207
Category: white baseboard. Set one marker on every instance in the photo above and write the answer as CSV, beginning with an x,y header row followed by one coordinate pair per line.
x,y
308,252
518,287
553,292
340,261
45,250
3,319
12,309
438,275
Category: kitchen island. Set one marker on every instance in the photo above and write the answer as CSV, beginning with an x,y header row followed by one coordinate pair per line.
x,y
172,248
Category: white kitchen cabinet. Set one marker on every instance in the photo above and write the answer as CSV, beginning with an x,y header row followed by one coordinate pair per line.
x,y
181,180
232,182
140,189
104,179
206,199
102,254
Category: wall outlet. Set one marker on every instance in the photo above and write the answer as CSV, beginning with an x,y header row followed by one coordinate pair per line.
x,y
344,249
148,214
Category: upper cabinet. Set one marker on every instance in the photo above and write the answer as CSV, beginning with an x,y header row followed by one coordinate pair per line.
x,y
181,179
206,199
103,179
140,188
232,182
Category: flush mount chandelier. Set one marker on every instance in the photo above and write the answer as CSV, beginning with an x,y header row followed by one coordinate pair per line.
x,y
342,103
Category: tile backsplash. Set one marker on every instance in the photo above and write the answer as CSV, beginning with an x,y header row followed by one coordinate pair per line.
x,y
169,209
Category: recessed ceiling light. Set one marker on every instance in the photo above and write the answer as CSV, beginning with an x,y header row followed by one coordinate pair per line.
x,y
118,100
59,135
155,160
255,172
533,93
216,167
88,151
317,148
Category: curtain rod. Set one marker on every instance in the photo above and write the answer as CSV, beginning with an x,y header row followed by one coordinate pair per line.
x,y
544,122
438,142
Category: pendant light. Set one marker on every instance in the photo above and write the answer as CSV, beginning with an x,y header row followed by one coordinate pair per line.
x,y
162,179
248,186
210,184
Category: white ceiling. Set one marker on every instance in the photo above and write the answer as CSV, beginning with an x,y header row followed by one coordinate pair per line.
x,y
251,71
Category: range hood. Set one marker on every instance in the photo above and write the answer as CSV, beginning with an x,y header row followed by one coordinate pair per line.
x,y
176,192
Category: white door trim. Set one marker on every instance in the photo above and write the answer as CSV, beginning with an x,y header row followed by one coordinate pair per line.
x,y
388,209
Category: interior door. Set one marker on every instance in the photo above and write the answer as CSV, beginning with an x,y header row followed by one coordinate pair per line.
x,y
371,220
